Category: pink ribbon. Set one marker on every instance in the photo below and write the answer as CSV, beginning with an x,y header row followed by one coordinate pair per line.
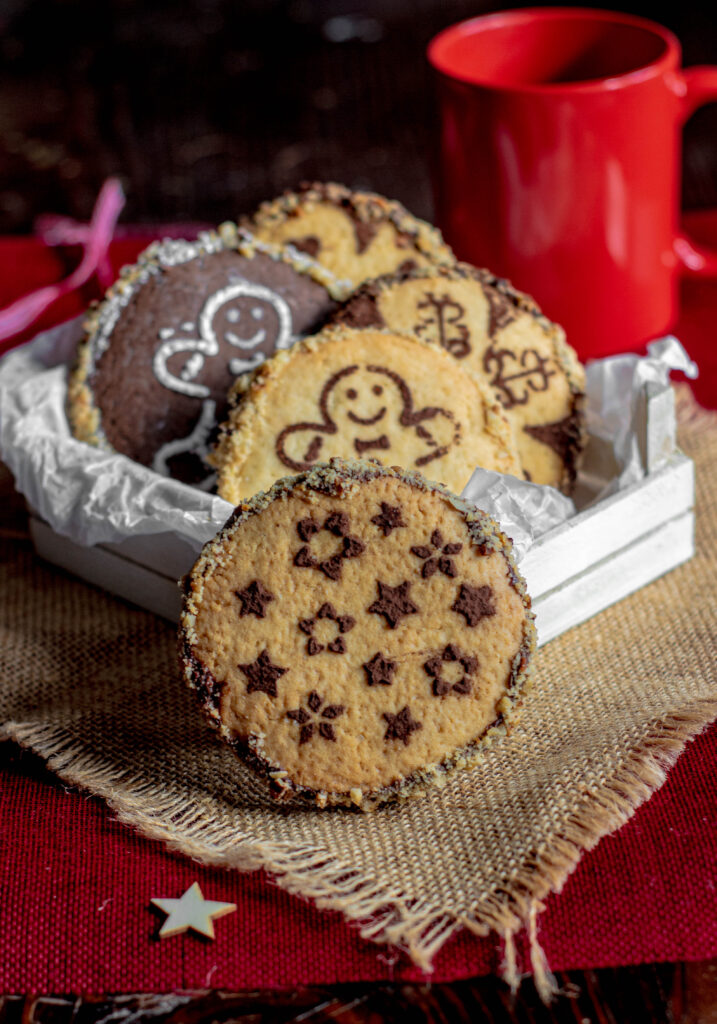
x,y
94,238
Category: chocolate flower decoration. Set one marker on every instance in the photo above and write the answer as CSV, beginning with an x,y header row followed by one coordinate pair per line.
x,y
437,556
316,717
344,623
434,668
337,523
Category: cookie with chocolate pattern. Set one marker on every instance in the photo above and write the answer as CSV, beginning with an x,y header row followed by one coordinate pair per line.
x,y
500,334
161,351
355,235
328,656
368,393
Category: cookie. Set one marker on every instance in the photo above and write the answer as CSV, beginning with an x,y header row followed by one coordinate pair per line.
x,y
163,348
501,334
356,633
366,393
356,235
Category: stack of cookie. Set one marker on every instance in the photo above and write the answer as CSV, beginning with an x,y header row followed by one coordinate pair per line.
x,y
438,366
354,632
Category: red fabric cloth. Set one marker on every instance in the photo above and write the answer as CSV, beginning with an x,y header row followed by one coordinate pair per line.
x,y
76,886
75,913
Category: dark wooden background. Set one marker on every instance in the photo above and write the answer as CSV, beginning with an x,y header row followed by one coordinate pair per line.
x,y
654,994
204,108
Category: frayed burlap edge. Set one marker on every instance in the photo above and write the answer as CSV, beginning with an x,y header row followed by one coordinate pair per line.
x,y
382,914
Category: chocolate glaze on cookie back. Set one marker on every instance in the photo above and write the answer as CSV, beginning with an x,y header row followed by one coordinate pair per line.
x,y
166,349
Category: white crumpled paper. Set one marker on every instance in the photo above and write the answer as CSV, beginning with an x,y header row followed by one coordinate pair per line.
x,y
614,387
92,496
83,493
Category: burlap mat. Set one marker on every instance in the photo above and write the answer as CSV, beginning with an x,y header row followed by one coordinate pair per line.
x,y
91,685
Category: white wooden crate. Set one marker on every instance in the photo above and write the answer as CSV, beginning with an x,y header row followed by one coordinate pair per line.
x,y
605,552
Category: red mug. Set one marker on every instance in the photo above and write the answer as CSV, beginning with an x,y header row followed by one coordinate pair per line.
x,y
559,161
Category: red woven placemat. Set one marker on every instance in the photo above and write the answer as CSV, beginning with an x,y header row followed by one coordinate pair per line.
x,y
75,913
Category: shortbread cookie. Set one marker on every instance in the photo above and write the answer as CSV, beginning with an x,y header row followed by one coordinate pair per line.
x,y
163,348
500,333
356,235
357,633
367,393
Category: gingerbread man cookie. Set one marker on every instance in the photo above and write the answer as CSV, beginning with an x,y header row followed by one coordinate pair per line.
x,y
163,348
500,334
361,393
355,235
369,683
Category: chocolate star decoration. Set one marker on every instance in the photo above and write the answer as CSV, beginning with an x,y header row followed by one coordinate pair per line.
x,y
262,674
379,670
434,667
388,519
308,718
400,726
474,603
393,603
254,599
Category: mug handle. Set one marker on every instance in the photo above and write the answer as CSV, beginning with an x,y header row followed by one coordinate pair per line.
x,y
695,87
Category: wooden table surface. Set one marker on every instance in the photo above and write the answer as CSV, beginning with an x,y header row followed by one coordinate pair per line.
x,y
655,993
204,108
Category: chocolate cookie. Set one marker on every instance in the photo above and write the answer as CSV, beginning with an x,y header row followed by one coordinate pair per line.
x,y
163,348
356,633
356,235
367,393
501,334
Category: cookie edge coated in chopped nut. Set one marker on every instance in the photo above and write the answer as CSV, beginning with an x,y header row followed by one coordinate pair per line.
x,y
366,207
337,478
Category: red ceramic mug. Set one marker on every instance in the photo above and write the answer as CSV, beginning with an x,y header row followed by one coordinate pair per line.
x,y
559,164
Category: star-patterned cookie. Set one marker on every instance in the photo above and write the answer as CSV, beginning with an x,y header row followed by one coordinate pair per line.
x,y
369,393
160,352
373,680
355,235
499,333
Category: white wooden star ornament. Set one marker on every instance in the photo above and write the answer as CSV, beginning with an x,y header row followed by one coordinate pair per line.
x,y
191,910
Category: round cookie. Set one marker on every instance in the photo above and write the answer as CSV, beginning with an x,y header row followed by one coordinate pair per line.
x,y
356,633
501,334
367,393
355,235
162,350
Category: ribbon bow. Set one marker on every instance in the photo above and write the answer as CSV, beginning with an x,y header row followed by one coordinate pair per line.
x,y
94,238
